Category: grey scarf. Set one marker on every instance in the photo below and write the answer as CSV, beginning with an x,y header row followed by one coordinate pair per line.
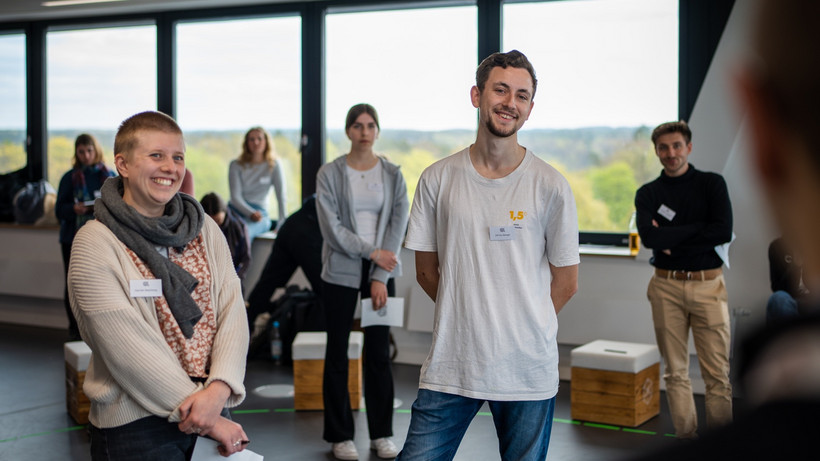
x,y
181,223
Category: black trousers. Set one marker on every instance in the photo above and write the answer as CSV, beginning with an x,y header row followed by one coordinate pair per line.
x,y
298,244
340,305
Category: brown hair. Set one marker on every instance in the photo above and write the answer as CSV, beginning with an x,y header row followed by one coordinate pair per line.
x,y
512,58
126,139
246,157
86,139
359,109
672,127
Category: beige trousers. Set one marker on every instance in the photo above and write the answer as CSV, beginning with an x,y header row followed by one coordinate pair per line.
x,y
677,306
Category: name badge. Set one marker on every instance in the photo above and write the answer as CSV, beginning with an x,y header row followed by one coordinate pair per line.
x,y
501,233
264,180
374,186
666,212
147,288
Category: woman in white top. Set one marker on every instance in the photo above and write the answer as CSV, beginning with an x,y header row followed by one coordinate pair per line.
x,y
362,206
250,178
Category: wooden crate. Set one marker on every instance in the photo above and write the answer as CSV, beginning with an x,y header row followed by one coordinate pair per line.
x,y
614,397
307,383
76,401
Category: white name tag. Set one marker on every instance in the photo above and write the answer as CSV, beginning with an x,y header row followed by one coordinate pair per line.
x,y
500,233
666,212
264,180
374,186
146,288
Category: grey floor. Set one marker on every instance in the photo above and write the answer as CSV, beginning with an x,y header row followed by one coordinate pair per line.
x,y
34,424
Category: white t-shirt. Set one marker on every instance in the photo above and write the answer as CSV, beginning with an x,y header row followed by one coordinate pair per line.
x,y
368,198
495,324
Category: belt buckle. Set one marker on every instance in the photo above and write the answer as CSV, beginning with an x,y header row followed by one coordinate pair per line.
x,y
688,275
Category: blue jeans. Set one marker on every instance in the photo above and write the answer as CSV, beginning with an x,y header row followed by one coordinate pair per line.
x,y
439,422
258,227
781,306
148,439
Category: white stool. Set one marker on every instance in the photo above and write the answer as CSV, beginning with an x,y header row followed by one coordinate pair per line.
x,y
77,356
615,382
309,366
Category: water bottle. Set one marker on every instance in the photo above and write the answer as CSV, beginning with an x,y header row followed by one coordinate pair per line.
x,y
275,343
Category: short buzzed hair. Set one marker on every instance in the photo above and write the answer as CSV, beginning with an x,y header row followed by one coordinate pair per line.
x,y
512,58
126,138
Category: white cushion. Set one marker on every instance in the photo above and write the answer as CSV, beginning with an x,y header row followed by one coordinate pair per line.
x,y
615,356
310,345
77,354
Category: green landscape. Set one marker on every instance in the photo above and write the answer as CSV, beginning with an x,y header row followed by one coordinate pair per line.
x,y
604,166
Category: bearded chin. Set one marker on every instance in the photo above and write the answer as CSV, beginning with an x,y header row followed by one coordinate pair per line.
x,y
497,132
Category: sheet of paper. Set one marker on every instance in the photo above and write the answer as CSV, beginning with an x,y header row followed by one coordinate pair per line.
x,y
392,314
205,450
723,251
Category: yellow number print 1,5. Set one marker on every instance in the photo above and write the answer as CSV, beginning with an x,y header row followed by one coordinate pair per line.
x,y
517,215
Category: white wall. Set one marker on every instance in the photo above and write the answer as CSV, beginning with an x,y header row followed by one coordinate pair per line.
x,y
32,278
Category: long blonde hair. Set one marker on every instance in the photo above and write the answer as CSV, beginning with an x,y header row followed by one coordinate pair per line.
x,y
246,157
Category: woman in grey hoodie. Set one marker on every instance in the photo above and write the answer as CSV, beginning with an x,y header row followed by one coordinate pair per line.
x,y
362,208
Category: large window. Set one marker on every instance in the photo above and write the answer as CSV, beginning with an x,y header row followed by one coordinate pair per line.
x,y
233,75
12,102
607,75
96,78
416,68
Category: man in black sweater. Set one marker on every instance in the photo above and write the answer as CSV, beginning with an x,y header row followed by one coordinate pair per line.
x,y
683,215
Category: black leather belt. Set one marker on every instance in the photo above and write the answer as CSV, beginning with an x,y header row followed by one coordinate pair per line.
x,y
698,276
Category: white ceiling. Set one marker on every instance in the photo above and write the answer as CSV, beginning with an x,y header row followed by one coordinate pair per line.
x,y
26,10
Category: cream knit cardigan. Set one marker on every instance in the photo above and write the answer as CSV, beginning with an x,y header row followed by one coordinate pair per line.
x,y
133,372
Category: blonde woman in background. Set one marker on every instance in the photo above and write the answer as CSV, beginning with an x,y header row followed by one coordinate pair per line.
x,y
251,177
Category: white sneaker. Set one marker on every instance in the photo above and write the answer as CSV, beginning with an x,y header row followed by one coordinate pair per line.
x,y
345,450
384,448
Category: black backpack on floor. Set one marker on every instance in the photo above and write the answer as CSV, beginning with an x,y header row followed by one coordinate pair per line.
x,y
296,310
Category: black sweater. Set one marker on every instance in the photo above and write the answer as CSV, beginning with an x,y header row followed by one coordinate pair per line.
x,y
702,219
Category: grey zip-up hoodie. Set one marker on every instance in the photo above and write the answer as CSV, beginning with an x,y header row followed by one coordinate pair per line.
x,y
343,249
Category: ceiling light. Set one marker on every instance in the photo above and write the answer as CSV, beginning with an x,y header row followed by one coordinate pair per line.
x,y
75,2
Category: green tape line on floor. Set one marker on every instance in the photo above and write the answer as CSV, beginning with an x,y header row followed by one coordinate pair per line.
x,y
566,421
40,434
603,426
638,431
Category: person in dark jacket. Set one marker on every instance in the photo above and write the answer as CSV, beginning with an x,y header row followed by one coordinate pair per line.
x,y
236,233
298,244
76,193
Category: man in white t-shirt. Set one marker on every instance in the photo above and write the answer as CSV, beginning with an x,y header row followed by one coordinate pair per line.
x,y
495,232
